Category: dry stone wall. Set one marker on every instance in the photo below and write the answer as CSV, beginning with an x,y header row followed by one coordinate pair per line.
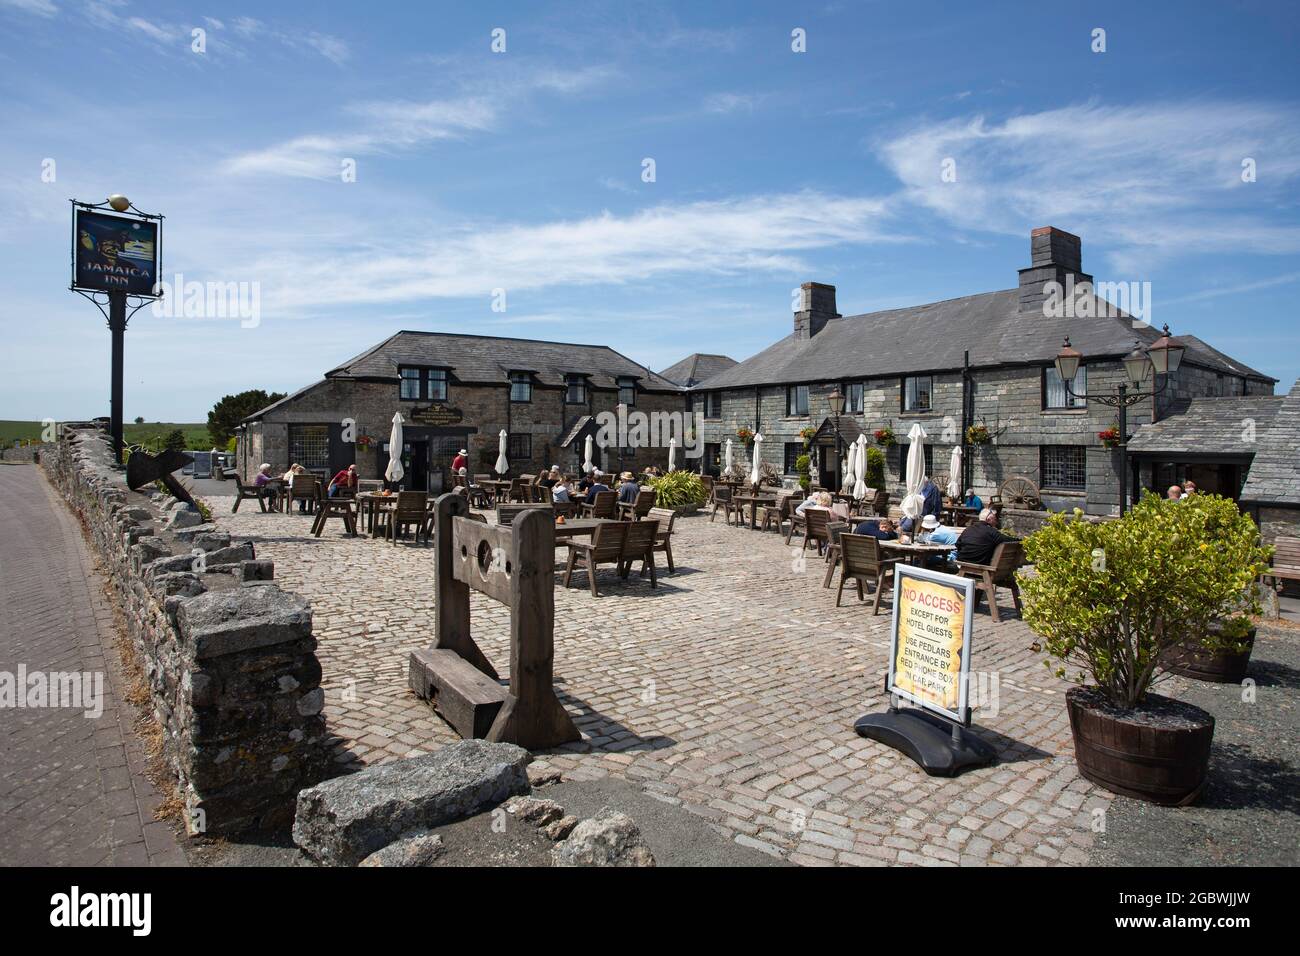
x,y
229,657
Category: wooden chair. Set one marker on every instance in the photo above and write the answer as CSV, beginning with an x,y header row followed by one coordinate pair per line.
x,y
605,547
336,507
567,508
304,488
516,491
245,492
640,545
722,499
778,514
833,531
602,506
507,513
861,559
664,537
999,572
1285,565
636,510
707,482
412,511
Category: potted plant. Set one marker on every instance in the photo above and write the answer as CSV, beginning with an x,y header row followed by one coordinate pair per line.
x,y
978,435
802,469
885,437
745,435
1110,598
680,490
1110,437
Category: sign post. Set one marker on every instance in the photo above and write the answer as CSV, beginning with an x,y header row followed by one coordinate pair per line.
x,y
929,666
116,256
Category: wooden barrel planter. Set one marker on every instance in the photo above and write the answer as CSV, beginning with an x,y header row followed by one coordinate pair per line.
x,y
1191,659
1159,752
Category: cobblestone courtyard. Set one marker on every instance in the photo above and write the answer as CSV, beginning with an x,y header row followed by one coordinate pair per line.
x,y
730,690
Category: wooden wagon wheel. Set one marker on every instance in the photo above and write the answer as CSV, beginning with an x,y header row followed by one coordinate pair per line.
x,y
1019,493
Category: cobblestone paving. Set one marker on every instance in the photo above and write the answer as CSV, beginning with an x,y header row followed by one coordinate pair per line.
x,y
730,690
72,788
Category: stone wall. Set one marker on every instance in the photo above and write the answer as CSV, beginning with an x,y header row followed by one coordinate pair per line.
x,y
229,657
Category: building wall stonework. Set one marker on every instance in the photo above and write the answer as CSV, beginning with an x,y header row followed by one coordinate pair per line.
x,y
485,411
1008,400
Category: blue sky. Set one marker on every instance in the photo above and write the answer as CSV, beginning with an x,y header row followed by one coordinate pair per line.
x,y
522,171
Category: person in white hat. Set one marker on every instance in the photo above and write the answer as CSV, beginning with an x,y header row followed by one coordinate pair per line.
x,y
932,532
460,463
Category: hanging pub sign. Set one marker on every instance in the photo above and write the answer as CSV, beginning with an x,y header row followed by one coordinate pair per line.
x,y
114,253
929,666
929,647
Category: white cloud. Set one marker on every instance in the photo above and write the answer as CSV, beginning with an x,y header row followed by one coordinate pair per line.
x,y
1150,181
720,237
330,47
729,103
41,8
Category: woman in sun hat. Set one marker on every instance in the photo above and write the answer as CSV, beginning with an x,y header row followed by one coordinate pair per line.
x,y
460,461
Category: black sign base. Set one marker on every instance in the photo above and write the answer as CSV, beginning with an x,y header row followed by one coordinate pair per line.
x,y
941,748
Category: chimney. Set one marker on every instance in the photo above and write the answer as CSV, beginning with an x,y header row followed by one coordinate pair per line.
x,y
1054,254
816,308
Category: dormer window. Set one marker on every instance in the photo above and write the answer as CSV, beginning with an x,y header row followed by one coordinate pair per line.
x,y
422,383
521,387
575,390
626,391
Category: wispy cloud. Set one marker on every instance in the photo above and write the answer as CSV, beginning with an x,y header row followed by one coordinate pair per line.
x,y
41,8
1150,181
729,102
765,233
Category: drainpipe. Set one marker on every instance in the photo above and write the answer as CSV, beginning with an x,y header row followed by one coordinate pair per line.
x,y
967,419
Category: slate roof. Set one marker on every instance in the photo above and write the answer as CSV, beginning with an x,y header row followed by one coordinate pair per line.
x,y
1274,476
490,359
575,430
697,368
1210,426
933,337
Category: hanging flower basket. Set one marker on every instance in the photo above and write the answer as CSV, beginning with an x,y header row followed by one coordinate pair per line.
x,y
885,437
807,434
1109,437
745,435
978,435
365,441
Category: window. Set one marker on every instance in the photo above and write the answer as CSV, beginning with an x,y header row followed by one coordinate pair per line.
x,y
627,454
309,446
917,390
712,404
521,387
902,459
410,383
1054,393
626,391
793,449
853,396
417,383
712,457
520,447
575,391
796,400
1064,467
437,385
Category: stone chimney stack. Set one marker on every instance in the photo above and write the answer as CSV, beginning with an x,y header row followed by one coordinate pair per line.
x,y
816,308
1054,255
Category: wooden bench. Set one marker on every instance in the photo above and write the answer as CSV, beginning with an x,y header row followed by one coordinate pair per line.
x,y
466,698
1286,562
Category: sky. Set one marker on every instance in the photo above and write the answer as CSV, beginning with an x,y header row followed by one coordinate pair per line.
x,y
656,177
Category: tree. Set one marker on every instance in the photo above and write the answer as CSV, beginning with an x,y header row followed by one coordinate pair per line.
x,y
175,441
139,419
233,409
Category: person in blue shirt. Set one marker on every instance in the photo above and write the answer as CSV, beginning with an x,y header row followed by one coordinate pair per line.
x,y
597,486
973,500
629,489
934,533
933,499
881,528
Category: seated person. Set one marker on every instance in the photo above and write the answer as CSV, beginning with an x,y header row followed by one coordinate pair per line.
x,y
597,486
934,533
560,491
587,480
551,478
629,489
881,528
979,540
263,474
820,499
345,480
973,500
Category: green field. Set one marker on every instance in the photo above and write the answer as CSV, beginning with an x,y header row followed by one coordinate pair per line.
x,y
151,434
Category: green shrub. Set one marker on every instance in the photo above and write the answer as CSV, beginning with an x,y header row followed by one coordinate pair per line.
x,y
875,468
678,488
1109,597
802,464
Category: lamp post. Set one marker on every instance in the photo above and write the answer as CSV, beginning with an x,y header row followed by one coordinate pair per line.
x,y
837,406
1162,357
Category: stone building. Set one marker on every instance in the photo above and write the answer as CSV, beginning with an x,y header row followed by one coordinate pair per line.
x,y
697,368
458,391
977,360
1272,489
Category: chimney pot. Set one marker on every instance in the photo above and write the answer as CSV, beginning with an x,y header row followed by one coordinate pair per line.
x,y
816,308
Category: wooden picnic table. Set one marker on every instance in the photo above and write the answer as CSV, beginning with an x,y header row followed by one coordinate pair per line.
x,y
916,553
754,500
496,486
